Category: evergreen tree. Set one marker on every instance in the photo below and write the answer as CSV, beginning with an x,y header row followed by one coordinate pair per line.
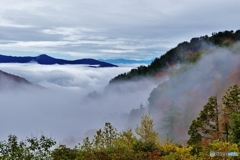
x,y
231,101
210,117
235,121
170,119
206,126
195,136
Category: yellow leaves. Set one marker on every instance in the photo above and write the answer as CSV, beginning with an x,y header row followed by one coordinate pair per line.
x,y
219,146
183,150
168,147
171,147
174,151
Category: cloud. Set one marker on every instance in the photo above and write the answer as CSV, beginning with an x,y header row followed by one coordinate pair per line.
x,y
117,51
71,34
6,23
64,110
87,28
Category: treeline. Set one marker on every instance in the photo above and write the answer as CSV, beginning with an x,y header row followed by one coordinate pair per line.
x,y
217,121
185,52
216,129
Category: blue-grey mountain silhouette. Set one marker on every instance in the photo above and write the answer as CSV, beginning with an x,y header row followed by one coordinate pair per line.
x,y
47,60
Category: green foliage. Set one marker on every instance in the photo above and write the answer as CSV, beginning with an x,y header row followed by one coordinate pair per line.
x,y
105,138
86,145
205,128
125,140
193,58
30,149
144,146
206,125
64,153
181,153
195,136
235,121
109,144
205,136
11,149
232,100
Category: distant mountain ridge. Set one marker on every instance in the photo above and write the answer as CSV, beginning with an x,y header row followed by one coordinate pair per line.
x,y
47,60
126,61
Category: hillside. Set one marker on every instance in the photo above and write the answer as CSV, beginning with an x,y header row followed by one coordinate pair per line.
x,y
10,81
186,76
47,60
185,52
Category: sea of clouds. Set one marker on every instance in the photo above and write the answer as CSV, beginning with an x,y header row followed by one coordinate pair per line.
x,y
64,110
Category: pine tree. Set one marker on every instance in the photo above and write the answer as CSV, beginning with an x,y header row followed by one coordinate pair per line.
x,y
210,117
206,126
235,121
231,101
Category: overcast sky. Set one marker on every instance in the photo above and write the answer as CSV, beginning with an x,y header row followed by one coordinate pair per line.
x,y
134,29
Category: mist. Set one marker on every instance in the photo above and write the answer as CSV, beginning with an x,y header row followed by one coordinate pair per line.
x,y
190,85
73,104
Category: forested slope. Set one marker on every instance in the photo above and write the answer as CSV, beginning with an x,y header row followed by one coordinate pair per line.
x,y
185,52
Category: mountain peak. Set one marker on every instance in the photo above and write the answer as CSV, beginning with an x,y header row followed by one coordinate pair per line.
x,y
47,60
43,55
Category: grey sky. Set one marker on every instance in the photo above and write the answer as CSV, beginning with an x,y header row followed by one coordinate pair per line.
x,y
136,29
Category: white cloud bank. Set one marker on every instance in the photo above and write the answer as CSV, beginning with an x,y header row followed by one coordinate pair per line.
x,y
64,111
